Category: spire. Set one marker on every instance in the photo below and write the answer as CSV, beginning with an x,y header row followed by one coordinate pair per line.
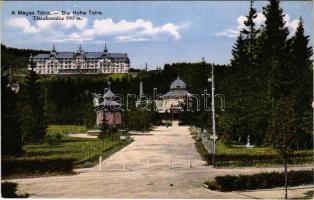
x,y
80,48
53,48
105,50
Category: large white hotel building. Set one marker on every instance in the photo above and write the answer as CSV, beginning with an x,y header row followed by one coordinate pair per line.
x,y
81,62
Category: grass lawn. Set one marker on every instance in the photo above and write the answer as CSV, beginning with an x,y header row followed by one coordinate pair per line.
x,y
63,129
85,151
242,149
80,149
239,155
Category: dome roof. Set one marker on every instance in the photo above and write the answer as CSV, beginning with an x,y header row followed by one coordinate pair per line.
x,y
178,84
108,94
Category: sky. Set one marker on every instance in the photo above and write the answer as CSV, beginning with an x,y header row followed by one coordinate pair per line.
x,y
150,32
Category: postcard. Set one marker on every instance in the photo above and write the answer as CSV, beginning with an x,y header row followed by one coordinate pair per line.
x,y
157,99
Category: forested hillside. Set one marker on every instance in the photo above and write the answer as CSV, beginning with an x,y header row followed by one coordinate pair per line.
x,y
15,58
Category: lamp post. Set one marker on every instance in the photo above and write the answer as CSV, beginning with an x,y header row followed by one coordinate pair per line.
x,y
214,136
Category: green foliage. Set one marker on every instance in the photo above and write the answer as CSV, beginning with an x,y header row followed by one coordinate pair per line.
x,y
32,109
65,129
8,190
245,112
17,59
54,138
239,155
202,151
81,152
11,135
260,181
105,131
266,67
301,63
139,120
36,166
283,128
75,148
224,160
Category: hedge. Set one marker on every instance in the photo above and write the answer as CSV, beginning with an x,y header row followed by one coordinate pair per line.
x,y
260,181
258,159
8,190
224,160
30,166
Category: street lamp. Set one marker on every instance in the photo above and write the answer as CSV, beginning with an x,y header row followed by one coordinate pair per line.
x,y
214,136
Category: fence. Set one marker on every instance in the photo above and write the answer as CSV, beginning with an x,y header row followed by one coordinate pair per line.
x,y
204,137
165,162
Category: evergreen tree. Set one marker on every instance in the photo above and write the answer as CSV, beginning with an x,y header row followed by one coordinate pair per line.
x,y
11,134
244,106
274,51
301,64
283,130
250,32
33,117
236,93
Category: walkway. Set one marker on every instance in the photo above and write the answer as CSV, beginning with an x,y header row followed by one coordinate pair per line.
x,y
156,165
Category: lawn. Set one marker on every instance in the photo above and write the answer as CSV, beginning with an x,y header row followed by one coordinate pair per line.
x,y
59,156
79,149
241,149
83,150
63,129
239,155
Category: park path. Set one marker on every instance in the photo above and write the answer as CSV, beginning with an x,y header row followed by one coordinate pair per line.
x,y
156,165
162,148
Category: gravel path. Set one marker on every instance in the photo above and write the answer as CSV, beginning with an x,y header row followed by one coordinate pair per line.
x,y
160,164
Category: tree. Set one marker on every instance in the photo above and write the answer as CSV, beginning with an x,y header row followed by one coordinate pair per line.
x,y
300,60
33,108
283,130
250,32
243,106
11,134
273,51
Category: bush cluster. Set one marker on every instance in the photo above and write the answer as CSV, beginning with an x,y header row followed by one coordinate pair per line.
x,y
259,159
225,160
260,181
31,166
8,190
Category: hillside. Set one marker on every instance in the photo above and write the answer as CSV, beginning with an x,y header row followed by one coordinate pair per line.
x,y
15,58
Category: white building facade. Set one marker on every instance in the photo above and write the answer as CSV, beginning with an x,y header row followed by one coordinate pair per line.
x,y
81,62
175,100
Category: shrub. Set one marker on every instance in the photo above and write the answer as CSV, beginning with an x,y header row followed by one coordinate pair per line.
x,y
30,166
260,181
8,190
54,138
211,184
259,159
